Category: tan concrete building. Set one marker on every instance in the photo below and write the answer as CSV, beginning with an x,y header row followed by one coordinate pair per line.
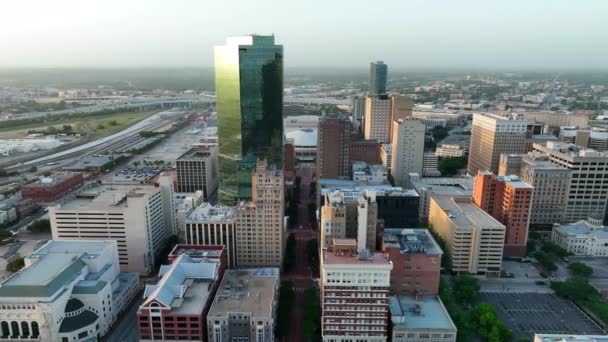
x,y
333,218
492,135
244,308
137,217
197,169
473,238
213,225
407,150
588,185
377,118
558,119
401,107
260,223
386,154
551,188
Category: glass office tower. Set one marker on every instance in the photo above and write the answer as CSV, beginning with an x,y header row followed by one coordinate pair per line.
x,y
377,78
249,91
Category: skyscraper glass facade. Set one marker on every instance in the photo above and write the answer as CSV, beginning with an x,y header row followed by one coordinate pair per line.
x,y
377,78
249,91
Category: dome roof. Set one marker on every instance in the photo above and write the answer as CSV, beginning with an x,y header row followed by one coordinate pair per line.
x,y
73,305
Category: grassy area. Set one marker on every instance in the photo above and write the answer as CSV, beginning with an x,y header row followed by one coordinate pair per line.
x,y
81,125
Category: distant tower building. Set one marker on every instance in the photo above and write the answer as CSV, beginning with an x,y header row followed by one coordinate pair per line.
x,y
492,135
407,150
508,200
357,114
377,118
197,169
377,78
249,90
334,141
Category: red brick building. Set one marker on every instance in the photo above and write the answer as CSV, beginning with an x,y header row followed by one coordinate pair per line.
x,y
508,200
175,309
333,145
364,150
416,258
289,168
50,189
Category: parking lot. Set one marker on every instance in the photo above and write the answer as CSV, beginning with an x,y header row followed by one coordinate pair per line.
x,y
521,269
529,313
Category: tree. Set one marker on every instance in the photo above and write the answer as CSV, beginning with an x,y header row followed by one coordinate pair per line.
x,y
67,128
32,169
113,123
580,270
15,265
40,226
551,248
466,290
3,173
312,252
286,298
46,173
100,127
439,133
546,261
449,166
290,253
312,315
487,325
574,288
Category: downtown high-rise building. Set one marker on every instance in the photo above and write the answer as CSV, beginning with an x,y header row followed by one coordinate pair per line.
x,y
407,150
334,140
492,135
249,100
508,200
377,78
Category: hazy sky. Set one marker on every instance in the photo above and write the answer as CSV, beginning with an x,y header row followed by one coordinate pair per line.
x,y
317,33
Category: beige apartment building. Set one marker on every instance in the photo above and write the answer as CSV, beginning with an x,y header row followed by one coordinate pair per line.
x,y
407,150
473,238
333,218
588,185
493,135
197,169
551,184
211,224
377,118
260,224
138,217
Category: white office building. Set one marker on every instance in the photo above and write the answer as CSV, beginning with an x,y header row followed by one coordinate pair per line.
x,y
407,150
585,238
68,291
138,217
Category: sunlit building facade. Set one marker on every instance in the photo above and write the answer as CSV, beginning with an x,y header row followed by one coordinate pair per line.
x,y
249,90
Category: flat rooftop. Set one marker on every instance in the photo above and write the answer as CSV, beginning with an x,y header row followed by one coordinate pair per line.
x,y
198,251
196,153
330,258
53,179
248,291
107,196
464,213
569,338
206,212
411,241
52,266
426,313
513,181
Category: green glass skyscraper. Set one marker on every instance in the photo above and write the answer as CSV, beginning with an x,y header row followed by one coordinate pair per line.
x,y
249,98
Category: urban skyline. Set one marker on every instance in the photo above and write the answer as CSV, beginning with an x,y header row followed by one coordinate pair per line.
x,y
388,207
477,34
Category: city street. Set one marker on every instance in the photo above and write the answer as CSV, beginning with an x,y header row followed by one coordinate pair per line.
x,y
302,275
